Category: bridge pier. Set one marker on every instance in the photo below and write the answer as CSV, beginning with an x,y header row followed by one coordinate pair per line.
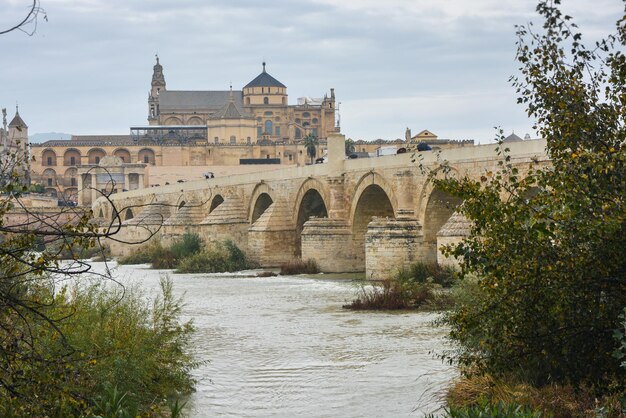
x,y
391,244
272,238
329,243
228,221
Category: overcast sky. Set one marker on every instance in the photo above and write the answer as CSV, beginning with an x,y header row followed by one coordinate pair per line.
x,y
441,65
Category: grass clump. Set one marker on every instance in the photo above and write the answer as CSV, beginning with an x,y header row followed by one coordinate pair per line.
x,y
484,393
421,286
299,266
216,257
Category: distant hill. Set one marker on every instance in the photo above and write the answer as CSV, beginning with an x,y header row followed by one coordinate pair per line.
x,y
47,136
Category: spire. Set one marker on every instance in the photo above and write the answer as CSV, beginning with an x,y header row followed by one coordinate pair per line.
x,y
17,121
231,98
158,79
263,66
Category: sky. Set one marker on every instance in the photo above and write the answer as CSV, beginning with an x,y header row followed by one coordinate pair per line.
x,y
441,65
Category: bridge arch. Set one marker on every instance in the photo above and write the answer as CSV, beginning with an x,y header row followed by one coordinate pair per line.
x,y
312,200
373,197
217,200
261,200
438,206
369,179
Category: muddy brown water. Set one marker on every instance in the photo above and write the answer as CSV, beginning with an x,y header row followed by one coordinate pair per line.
x,y
283,347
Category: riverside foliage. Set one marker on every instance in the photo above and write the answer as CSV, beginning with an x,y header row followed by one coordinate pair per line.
x,y
419,286
549,259
190,254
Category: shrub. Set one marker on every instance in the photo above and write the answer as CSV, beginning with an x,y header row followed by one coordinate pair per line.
x,y
429,273
419,286
391,294
216,257
298,266
143,255
189,244
112,351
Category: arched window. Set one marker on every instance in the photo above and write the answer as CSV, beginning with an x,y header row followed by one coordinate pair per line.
x,y
266,100
268,113
233,140
97,159
306,115
268,127
314,120
278,131
72,160
259,131
298,133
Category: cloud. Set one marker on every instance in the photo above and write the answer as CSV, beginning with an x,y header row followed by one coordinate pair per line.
x,y
442,65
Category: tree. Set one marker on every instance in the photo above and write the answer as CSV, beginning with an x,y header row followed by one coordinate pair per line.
x,y
48,349
547,251
30,19
310,143
350,147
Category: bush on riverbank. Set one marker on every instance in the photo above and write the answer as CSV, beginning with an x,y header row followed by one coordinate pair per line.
x,y
190,254
61,250
216,257
419,286
299,266
103,340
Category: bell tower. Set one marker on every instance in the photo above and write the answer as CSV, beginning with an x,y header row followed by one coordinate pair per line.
x,y
158,85
17,145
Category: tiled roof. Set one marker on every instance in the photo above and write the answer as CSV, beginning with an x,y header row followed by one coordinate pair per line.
x,y
209,101
17,121
264,80
230,111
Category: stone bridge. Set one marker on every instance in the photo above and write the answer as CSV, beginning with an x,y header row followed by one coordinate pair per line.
x,y
371,214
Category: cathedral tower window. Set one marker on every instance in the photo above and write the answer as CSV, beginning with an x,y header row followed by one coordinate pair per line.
x,y
266,100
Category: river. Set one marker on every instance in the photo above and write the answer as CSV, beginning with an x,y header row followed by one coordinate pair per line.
x,y
283,347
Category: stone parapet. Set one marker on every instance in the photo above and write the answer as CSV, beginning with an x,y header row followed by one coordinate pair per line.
x,y
390,245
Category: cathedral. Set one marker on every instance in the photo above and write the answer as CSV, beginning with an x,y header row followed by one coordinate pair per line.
x,y
190,135
258,112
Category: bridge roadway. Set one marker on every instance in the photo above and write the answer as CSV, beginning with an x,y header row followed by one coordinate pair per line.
x,y
371,214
